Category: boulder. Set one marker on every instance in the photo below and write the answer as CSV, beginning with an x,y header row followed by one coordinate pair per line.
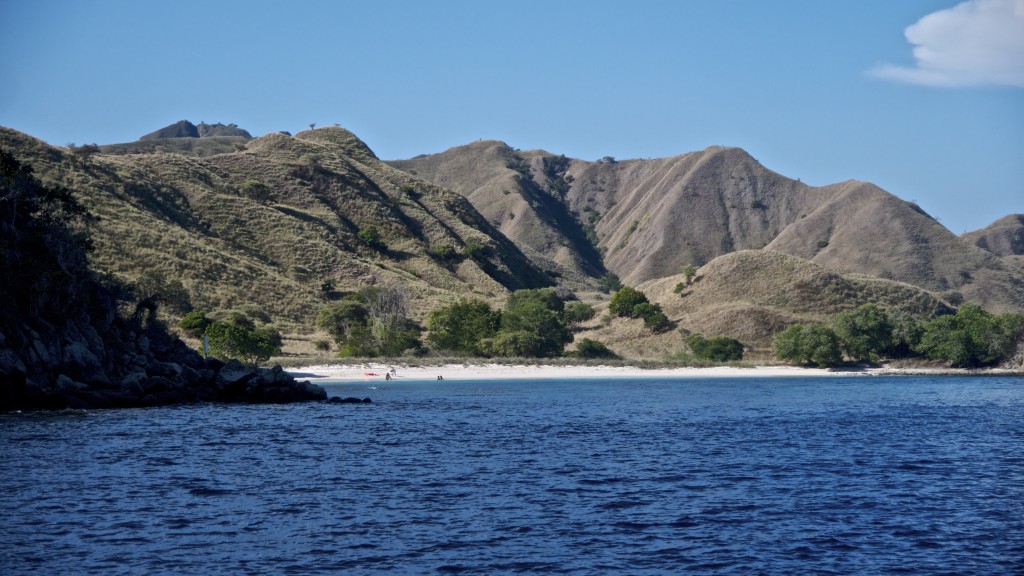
x,y
81,364
348,400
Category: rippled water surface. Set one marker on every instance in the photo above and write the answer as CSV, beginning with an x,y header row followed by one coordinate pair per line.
x,y
733,476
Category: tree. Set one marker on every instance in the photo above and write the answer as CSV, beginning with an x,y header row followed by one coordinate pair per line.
x,y
625,301
538,313
547,297
808,344
345,321
717,348
235,334
463,327
392,331
195,323
906,334
864,333
972,337
371,322
312,125
238,341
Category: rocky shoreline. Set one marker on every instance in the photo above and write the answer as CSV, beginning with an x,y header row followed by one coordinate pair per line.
x,y
125,365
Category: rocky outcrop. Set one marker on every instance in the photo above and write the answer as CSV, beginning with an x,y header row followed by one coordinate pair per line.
x,y
69,339
73,367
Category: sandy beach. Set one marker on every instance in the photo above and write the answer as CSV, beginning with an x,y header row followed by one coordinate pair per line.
x,y
378,371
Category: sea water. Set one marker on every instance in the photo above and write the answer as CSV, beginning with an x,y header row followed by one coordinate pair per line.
x,y
858,475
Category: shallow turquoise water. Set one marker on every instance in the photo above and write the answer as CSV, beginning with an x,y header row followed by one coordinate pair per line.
x,y
907,475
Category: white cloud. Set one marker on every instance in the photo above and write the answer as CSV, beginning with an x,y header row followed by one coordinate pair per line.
x,y
973,43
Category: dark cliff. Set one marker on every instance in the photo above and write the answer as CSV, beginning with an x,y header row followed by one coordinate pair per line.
x,y
71,339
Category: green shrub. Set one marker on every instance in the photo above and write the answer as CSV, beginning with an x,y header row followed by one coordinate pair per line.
x,y
520,343
587,348
578,312
256,190
475,251
717,348
444,253
371,237
689,273
657,322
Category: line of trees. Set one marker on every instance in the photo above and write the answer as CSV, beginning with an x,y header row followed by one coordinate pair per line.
x,y
970,338
534,323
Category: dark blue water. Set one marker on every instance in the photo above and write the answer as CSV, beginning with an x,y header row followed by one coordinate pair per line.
x,y
731,476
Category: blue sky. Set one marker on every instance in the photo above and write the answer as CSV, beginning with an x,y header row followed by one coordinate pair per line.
x,y
925,98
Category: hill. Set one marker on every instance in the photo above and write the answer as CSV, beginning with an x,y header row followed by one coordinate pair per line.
x,y
288,223
500,183
650,218
1004,237
272,223
751,295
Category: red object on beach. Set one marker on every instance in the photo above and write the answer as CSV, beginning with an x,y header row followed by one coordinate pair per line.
x,y
370,374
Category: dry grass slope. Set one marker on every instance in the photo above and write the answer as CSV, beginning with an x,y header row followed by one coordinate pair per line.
x,y
1004,237
273,243
653,217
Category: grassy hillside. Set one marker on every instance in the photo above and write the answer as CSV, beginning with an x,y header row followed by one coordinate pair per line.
x,y
511,190
751,295
862,228
281,222
271,223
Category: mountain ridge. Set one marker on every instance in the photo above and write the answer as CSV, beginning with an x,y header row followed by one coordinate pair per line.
x,y
651,218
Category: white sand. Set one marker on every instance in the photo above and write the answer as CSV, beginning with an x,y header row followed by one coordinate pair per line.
x,y
375,371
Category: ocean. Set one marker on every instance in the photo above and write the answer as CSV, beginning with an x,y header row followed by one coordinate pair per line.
x,y
858,475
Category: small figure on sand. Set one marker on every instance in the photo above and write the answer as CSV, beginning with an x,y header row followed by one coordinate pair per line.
x,y
387,376
439,377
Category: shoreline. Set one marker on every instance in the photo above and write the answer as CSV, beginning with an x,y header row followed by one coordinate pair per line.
x,y
372,371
